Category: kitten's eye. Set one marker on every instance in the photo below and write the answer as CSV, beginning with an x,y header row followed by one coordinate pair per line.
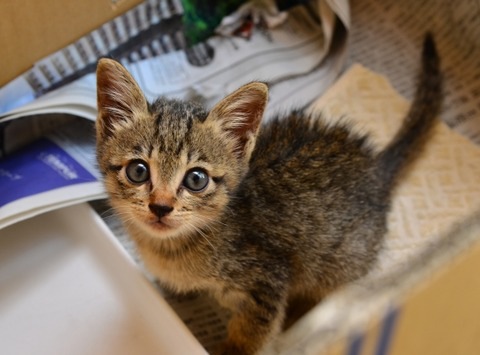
x,y
196,180
137,172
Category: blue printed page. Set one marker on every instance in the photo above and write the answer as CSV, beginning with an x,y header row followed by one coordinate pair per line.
x,y
39,167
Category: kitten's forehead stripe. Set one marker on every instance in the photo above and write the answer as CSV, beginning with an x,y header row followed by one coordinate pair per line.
x,y
137,149
198,156
179,147
188,112
150,149
202,158
173,124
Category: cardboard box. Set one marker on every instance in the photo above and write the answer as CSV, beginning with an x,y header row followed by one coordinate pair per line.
x,y
33,29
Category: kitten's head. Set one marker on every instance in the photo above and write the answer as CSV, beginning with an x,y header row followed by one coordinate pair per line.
x,y
170,167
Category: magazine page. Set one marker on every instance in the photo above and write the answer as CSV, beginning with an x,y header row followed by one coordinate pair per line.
x,y
78,98
51,172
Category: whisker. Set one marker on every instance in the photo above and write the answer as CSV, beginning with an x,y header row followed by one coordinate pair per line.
x,y
199,231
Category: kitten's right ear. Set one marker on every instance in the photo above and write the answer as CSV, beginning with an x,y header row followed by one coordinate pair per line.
x,y
119,98
239,114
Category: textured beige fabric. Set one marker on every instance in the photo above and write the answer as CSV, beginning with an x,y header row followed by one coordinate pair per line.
x,y
442,187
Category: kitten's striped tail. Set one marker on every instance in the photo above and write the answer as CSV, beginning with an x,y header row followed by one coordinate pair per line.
x,y
409,140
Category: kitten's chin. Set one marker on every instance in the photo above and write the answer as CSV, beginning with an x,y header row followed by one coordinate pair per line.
x,y
160,226
161,230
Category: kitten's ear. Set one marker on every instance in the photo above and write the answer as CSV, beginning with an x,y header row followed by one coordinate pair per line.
x,y
119,97
240,114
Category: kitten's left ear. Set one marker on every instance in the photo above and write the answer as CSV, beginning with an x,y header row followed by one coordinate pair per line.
x,y
119,98
240,114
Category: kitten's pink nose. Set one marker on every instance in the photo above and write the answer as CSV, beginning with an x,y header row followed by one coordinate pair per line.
x,y
160,210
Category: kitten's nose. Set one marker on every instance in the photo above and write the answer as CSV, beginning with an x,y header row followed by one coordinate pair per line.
x,y
160,210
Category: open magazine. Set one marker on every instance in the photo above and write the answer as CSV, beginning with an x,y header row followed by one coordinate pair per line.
x,y
53,171
47,144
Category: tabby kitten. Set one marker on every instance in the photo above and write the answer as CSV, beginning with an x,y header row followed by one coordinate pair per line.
x,y
262,216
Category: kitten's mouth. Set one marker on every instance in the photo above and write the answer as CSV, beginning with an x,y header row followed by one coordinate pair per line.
x,y
162,225
158,224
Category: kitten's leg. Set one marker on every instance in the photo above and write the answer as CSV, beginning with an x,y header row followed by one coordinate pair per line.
x,y
301,301
255,321
297,308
